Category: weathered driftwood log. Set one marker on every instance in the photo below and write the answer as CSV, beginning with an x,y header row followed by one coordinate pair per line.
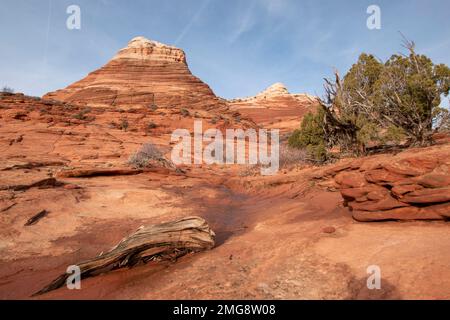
x,y
166,241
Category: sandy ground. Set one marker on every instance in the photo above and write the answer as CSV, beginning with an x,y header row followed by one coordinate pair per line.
x,y
270,230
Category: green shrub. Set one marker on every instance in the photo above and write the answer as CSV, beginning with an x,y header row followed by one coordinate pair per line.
x,y
310,136
376,103
81,115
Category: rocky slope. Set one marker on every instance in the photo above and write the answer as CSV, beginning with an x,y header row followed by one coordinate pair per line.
x,y
275,107
288,236
142,74
295,235
409,187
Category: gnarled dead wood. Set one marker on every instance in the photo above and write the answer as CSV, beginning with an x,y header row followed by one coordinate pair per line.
x,y
166,241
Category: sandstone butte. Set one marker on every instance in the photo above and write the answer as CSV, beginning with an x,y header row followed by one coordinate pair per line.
x,y
144,73
300,234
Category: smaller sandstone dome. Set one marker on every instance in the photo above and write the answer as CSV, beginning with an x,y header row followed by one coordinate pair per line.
x,y
276,89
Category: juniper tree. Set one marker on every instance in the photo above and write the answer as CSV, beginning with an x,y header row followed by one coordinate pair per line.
x,y
397,101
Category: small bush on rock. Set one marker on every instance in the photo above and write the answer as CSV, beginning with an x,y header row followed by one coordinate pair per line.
x,y
149,156
290,157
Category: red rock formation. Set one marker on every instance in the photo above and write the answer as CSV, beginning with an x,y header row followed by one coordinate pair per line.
x,y
414,188
253,214
275,107
144,73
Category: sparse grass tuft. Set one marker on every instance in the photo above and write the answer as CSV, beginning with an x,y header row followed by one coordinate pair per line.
x,y
82,114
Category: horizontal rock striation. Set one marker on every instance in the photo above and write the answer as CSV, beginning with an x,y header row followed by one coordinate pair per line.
x,y
415,188
145,73
275,104
274,96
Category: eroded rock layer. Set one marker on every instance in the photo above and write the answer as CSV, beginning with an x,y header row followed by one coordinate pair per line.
x,y
275,107
144,73
68,192
412,188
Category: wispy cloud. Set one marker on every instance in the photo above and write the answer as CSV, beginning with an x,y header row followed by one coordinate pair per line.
x,y
191,22
291,41
245,22
275,7
47,38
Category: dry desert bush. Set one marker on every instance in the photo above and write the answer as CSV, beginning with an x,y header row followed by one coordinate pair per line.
x,y
290,157
149,156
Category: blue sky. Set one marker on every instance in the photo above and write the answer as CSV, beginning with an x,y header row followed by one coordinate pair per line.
x,y
238,47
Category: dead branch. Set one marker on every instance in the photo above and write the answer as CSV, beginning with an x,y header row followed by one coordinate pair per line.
x,y
166,241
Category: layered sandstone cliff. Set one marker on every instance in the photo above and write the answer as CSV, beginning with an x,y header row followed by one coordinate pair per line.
x,y
275,107
144,73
